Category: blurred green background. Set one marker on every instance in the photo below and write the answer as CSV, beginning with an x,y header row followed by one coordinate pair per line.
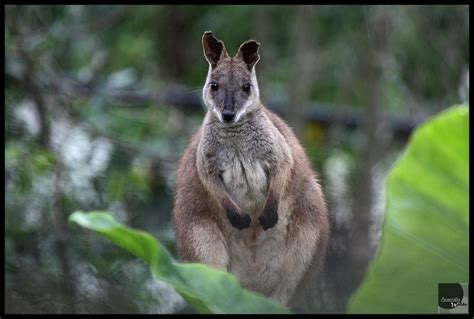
x,y
100,102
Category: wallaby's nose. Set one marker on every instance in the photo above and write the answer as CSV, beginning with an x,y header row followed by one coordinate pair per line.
x,y
228,116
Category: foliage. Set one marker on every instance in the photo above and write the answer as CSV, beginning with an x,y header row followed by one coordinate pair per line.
x,y
73,141
425,236
207,289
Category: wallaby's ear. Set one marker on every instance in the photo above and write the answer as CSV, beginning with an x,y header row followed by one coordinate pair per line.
x,y
248,52
214,50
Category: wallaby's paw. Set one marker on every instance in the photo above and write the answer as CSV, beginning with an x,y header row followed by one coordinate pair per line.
x,y
268,219
269,216
239,221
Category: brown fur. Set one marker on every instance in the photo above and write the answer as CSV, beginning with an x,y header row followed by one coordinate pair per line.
x,y
247,200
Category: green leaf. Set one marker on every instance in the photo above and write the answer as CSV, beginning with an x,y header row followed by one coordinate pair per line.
x,y
207,289
426,228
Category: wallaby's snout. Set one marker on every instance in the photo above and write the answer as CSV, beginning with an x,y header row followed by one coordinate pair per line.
x,y
229,107
228,116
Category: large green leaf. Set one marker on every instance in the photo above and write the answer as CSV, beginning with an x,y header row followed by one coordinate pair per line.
x,y
207,289
425,234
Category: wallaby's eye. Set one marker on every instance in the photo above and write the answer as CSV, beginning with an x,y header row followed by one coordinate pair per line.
x,y
246,88
214,86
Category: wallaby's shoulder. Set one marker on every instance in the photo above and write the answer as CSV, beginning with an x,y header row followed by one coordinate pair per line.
x,y
281,125
290,137
302,171
191,196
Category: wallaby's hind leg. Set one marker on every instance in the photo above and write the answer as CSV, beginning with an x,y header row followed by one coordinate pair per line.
x,y
200,240
306,246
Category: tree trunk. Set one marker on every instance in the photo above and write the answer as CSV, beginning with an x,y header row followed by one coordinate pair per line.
x,y
352,247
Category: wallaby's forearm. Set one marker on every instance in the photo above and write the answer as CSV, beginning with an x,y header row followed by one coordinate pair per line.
x,y
278,181
213,183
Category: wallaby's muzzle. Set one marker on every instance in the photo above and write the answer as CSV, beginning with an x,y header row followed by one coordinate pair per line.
x,y
228,116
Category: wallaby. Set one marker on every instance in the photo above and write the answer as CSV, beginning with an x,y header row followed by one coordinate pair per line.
x,y
247,200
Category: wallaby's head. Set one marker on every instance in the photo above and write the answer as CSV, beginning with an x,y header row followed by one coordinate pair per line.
x,y
231,88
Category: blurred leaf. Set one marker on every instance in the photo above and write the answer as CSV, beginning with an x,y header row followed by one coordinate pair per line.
x,y
13,153
116,183
207,289
43,161
134,183
426,230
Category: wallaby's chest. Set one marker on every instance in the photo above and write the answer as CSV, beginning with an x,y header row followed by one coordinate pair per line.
x,y
243,156
245,178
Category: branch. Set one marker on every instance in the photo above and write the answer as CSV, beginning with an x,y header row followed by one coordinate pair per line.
x,y
190,101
